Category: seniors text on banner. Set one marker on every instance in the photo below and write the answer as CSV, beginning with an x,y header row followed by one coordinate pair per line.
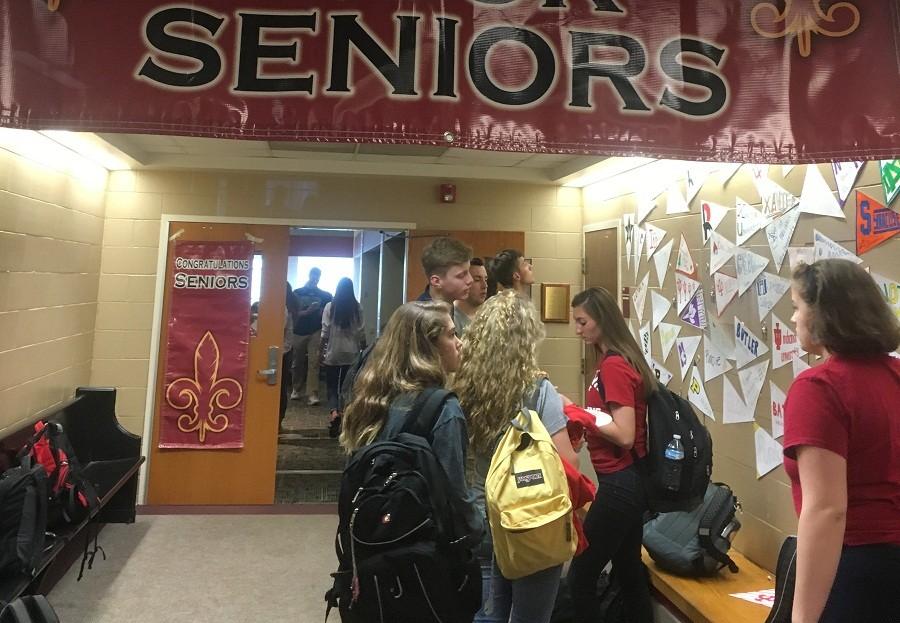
x,y
745,80
205,378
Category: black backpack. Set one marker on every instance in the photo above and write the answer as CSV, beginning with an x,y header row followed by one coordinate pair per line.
x,y
696,543
28,609
403,552
23,522
668,414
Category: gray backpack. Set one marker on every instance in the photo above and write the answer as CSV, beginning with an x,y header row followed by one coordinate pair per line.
x,y
696,543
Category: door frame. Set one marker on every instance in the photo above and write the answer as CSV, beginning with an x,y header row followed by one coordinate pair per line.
x,y
159,292
597,226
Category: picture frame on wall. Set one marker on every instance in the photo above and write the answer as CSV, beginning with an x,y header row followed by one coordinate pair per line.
x,y
555,302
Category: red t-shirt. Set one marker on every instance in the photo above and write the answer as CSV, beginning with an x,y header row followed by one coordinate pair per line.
x,y
852,408
623,386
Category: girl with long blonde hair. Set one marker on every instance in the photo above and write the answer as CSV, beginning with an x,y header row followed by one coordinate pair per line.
x,y
498,376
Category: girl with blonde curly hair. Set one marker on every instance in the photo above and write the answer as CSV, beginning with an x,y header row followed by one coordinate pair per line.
x,y
498,376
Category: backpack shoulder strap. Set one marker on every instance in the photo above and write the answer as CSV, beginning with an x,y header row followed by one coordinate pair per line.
x,y
704,532
425,411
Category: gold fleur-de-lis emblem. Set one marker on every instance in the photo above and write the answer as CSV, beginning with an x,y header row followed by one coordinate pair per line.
x,y
204,399
804,18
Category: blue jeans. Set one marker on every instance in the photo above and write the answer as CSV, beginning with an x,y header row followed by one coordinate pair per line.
x,y
526,600
865,587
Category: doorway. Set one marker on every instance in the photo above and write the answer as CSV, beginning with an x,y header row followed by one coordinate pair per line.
x,y
602,253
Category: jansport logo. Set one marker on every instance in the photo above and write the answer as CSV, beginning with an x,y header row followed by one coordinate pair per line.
x,y
530,478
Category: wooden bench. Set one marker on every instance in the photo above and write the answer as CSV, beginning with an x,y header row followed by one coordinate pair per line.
x,y
709,600
110,458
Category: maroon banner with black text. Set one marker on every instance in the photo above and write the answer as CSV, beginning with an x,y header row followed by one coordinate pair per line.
x,y
206,350
740,80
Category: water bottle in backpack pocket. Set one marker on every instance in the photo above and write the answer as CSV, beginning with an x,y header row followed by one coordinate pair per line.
x,y
674,461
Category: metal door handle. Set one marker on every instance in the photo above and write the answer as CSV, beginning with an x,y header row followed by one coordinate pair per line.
x,y
271,373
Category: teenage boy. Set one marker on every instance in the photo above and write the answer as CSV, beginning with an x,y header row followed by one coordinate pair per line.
x,y
511,270
446,265
477,291
307,336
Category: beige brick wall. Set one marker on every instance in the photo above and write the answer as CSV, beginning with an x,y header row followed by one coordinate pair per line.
x,y
550,216
768,510
51,228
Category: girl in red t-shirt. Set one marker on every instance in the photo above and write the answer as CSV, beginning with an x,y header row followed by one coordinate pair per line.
x,y
842,448
613,525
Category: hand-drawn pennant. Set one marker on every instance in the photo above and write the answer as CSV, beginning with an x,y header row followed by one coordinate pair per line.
x,y
827,249
785,345
890,179
684,290
748,266
628,226
711,215
734,410
769,453
875,223
726,287
639,297
720,251
661,259
685,263
645,205
752,380
694,312
759,173
799,365
727,170
776,402
662,374
890,289
769,290
816,197
686,347
675,202
747,346
655,235
646,342
715,364
661,306
697,394
786,169
638,249
747,221
776,200
845,174
779,233
667,334
800,255
697,173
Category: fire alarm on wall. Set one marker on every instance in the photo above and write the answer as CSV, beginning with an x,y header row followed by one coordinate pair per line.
x,y
448,193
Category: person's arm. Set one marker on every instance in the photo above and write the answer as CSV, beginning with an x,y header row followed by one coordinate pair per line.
x,y
564,446
621,431
820,534
550,408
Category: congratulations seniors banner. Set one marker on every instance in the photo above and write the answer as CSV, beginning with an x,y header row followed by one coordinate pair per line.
x,y
764,80
206,351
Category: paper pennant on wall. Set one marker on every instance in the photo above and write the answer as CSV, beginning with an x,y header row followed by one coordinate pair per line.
x,y
661,306
747,346
769,290
776,409
748,266
759,173
752,380
628,226
686,348
646,341
747,221
776,200
890,290
685,263
684,290
675,203
799,365
661,259
654,235
734,411
875,223
769,453
722,337
845,174
711,215
720,251
645,205
786,169
890,179
800,255
639,297
662,374
816,197
667,334
640,234
827,249
697,394
726,287
727,170
785,345
632,326
779,233
714,362
697,174
694,312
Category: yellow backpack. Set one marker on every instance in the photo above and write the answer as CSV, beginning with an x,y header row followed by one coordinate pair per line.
x,y
528,503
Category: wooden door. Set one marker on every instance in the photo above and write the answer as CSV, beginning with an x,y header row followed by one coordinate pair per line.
x,y
245,475
601,266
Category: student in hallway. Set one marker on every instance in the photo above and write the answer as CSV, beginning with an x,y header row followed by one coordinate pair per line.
x,y
307,334
343,337
291,309
614,523
446,265
477,291
499,374
512,271
842,447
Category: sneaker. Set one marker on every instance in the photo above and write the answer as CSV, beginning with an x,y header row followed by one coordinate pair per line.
x,y
313,400
295,395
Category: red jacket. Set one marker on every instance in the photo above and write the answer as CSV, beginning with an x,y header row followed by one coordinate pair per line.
x,y
581,489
